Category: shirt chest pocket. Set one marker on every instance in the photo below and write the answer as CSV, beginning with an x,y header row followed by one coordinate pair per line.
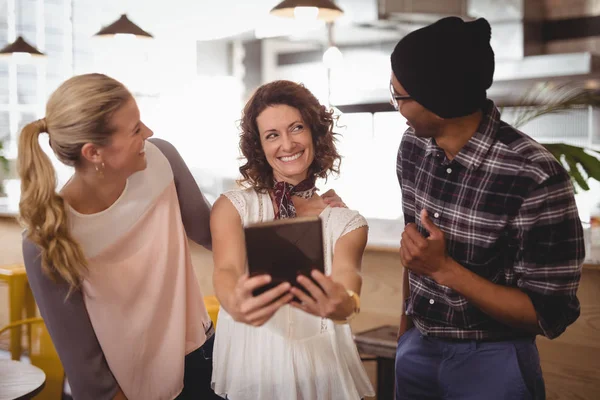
x,y
480,242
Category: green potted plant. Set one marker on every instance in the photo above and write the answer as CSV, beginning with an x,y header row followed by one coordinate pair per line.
x,y
545,99
4,167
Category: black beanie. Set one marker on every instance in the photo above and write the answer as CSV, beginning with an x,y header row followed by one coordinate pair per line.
x,y
447,66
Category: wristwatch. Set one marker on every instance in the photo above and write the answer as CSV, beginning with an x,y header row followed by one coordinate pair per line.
x,y
356,300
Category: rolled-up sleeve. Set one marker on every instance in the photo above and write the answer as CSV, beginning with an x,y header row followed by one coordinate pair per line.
x,y
551,253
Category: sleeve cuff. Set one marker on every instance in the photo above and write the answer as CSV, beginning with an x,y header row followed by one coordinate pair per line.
x,y
554,312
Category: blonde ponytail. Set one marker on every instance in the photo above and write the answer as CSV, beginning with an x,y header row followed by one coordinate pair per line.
x,y
42,210
78,112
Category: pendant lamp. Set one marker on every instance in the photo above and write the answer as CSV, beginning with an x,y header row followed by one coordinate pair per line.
x,y
123,26
20,46
324,10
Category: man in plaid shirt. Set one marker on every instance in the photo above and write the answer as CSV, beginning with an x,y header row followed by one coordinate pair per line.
x,y
493,242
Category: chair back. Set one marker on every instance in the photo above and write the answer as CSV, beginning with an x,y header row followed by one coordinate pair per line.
x,y
212,306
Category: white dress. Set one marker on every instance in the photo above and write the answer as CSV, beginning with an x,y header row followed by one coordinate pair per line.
x,y
295,355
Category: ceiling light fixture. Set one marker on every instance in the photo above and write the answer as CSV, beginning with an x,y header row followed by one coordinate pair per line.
x,y
123,26
324,10
20,47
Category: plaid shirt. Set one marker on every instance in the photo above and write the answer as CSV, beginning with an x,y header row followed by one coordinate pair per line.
x,y
507,210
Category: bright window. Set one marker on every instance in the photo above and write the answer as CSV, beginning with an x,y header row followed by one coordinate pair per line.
x,y
369,145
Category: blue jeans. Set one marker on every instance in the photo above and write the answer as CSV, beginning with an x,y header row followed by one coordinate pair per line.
x,y
435,368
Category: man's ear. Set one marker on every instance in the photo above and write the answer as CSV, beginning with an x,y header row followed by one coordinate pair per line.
x,y
91,153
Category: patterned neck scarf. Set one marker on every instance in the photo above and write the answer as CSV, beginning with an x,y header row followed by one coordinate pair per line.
x,y
284,191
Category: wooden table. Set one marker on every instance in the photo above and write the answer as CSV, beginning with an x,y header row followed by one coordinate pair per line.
x,y
381,342
19,380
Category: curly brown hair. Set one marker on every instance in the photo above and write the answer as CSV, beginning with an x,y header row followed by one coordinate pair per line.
x,y
256,171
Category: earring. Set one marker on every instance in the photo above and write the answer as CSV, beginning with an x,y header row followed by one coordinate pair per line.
x,y
100,171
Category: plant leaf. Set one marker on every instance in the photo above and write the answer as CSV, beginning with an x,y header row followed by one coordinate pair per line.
x,y
547,99
576,158
575,174
590,164
5,164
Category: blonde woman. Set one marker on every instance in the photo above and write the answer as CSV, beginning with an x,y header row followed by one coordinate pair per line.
x,y
107,257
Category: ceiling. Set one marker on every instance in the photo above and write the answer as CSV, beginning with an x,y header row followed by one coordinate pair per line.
x,y
361,24
208,20
193,19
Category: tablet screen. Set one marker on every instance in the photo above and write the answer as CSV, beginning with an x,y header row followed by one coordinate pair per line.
x,y
284,248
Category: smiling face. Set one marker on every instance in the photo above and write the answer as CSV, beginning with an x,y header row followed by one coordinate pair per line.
x,y
126,154
286,141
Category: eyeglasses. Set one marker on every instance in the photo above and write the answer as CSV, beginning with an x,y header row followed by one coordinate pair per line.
x,y
395,98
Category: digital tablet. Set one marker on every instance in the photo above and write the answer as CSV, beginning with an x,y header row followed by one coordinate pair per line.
x,y
284,248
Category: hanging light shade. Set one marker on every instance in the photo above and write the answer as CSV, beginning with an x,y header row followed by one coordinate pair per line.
x,y
20,46
123,26
324,10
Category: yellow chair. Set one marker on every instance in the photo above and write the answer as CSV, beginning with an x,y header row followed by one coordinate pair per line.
x,y
20,299
212,306
43,355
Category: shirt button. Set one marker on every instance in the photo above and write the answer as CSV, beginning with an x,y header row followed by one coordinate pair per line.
x,y
449,170
431,301
437,215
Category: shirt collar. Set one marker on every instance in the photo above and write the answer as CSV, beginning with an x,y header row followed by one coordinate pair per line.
x,y
432,148
474,151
